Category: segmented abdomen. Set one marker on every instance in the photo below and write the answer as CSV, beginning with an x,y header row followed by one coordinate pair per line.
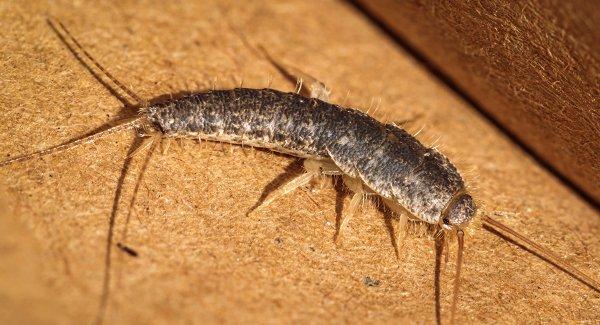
x,y
388,159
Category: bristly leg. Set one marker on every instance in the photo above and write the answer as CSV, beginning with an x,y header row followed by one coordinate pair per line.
x,y
313,169
290,171
402,230
355,185
287,188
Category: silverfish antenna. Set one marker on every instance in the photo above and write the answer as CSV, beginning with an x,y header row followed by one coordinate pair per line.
x,y
459,259
439,251
564,265
89,56
123,125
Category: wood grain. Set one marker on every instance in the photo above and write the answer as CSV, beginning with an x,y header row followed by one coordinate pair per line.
x,y
201,260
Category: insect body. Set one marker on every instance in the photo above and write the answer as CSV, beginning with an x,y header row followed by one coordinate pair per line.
x,y
391,162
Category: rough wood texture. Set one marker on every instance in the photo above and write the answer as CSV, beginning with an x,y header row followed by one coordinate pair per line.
x,y
534,66
200,259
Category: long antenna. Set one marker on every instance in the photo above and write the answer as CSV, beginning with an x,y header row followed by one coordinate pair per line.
x,y
89,56
125,124
459,259
439,251
546,252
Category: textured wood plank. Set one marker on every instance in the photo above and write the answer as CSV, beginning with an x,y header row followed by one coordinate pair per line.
x,y
200,259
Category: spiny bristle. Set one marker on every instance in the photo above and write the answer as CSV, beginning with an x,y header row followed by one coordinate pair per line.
x,y
346,98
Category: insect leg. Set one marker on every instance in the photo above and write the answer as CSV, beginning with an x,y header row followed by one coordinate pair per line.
x,y
290,187
313,168
402,230
287,188
356,186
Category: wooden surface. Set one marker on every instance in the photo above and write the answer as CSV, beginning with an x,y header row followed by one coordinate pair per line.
x,y
533,66
200,258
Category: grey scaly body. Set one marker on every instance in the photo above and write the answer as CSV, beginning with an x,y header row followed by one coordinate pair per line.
x,y
390,161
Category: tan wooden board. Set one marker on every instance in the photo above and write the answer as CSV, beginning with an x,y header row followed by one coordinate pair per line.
x,y
200,258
